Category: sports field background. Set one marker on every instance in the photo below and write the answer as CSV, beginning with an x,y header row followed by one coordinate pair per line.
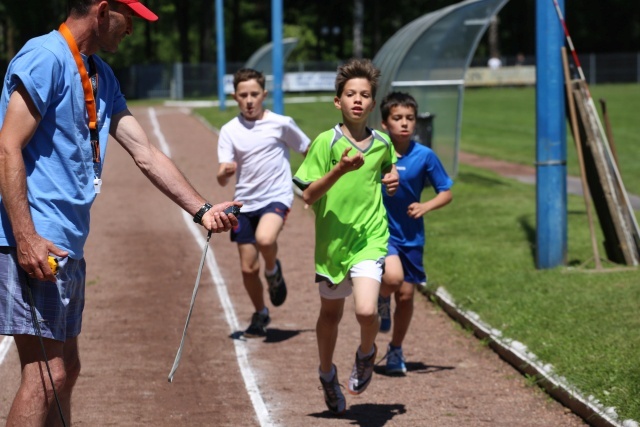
x,y
481,247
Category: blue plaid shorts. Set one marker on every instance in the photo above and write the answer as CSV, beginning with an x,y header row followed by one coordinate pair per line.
x,y
58,306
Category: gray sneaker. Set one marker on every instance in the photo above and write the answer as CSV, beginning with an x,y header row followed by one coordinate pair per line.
x,y
277,286
362,373
258,326
333,396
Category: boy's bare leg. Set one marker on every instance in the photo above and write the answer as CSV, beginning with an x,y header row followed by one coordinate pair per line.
x,y
34,403
403,314
365,296
250,266
393,276
267,233
327,330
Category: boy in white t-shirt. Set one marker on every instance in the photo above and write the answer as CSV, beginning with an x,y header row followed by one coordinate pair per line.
x,y
255,147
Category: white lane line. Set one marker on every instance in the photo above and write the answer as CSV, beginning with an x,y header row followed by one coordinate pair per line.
x,y
5,345
242,353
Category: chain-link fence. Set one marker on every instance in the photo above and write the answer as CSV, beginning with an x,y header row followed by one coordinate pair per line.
x,y
180,81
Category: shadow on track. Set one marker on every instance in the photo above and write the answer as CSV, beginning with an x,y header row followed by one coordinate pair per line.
x,y
273,335
417,367
367,414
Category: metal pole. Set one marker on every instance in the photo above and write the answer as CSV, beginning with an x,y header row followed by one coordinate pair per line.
x,y
551,150
222,66
277,59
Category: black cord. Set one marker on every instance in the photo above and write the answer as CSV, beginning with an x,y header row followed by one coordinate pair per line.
x,y
36,326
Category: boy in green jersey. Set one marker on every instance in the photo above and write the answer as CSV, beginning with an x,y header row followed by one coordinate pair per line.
x,y
345,192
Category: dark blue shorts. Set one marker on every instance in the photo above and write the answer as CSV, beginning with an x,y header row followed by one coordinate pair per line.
x,y
58,305
411,258
245,231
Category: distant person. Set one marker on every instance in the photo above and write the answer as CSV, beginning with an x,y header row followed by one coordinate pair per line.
x,y
59,104
494,62
520,59
419,168
345,192
254,146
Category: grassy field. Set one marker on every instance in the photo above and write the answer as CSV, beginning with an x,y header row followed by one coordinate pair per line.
x,y
481,248
500,123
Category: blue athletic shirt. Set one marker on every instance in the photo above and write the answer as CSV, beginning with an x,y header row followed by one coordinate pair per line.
x,y
418,168
58,159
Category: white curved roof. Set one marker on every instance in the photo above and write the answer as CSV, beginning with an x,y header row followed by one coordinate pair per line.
x,y
428,58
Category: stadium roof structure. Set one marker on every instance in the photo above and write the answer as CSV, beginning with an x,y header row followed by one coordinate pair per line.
x,y
428,58
262,59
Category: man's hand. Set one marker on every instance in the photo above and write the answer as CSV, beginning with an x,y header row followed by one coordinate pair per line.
x,y
216,221
33,253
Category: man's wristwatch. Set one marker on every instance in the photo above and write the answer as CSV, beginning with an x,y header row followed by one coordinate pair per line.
x,y
197,218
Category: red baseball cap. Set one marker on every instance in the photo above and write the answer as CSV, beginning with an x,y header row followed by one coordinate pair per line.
x,y
140,10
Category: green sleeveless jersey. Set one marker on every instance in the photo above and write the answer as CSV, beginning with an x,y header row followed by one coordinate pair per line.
x,y
351,220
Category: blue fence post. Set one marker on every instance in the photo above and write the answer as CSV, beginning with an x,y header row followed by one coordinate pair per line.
x,y
551,147
222,66
277,58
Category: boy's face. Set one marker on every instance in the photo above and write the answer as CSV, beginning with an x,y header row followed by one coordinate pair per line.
x,y
249,95
400,124
356,101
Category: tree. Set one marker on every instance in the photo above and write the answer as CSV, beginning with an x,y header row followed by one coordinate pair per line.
x,y
328,30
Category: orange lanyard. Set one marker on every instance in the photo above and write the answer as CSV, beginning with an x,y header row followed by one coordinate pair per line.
x,y
88,88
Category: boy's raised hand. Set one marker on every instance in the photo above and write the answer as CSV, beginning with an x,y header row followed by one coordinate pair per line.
x,y
348,164
391,181
225,172
417,210
229,169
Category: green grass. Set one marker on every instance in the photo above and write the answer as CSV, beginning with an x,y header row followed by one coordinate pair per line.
x,y
481,247
500,123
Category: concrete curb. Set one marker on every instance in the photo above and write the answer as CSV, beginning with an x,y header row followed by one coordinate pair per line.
x,y
517,354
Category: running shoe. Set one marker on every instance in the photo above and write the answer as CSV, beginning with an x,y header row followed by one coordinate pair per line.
x,y
333,396
258,326
277,287
395,361
362,372
384,311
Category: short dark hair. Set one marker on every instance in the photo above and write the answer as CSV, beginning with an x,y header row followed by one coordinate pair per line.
x,y
397,99
79,7
246,74
82,7
357,68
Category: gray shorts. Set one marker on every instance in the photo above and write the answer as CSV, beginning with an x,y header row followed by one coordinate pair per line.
x,y
58,306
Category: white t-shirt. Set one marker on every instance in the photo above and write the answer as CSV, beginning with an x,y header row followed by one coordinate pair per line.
x,y
261,150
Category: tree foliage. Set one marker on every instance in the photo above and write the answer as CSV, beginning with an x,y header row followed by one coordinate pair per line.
x,y
185,31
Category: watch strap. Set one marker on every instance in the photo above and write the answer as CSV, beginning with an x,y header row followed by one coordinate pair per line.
x,y
197,218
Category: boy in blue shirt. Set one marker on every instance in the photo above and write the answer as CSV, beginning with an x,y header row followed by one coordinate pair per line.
x,y
418,167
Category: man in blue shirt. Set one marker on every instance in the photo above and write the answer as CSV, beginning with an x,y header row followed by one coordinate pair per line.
x,y
59,104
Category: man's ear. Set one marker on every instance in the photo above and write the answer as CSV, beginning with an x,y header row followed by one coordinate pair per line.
x,y
336,102
384,125
103,9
